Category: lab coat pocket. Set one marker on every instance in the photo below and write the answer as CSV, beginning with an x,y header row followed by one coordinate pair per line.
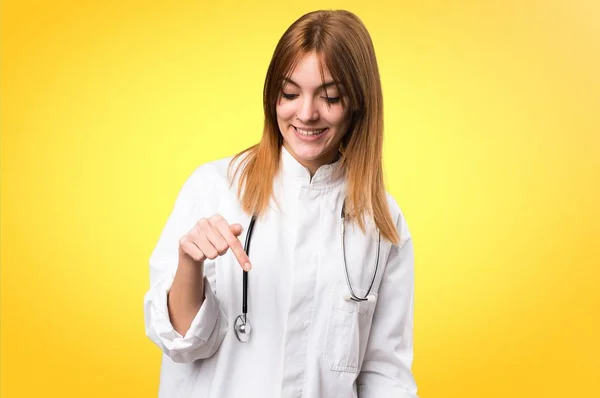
x,y
348,329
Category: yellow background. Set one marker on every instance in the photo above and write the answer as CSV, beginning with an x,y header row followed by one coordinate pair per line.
x,y
492,150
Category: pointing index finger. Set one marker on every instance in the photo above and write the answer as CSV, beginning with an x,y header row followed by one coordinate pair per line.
x,y
234,244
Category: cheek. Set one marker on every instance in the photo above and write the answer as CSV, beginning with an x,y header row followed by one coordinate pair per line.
x,y
285,110
338,117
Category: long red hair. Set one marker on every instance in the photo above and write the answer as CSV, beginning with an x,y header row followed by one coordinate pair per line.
x,y
344,45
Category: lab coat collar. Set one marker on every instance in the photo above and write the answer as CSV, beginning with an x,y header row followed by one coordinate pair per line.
x,y
326,175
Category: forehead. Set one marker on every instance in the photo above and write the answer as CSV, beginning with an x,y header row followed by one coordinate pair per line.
x,y
307,72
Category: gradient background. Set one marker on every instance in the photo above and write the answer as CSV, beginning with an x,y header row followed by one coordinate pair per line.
x,y
492,150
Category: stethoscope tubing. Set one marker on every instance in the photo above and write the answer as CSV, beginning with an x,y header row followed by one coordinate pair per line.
x,y
245,273
244,325
353,296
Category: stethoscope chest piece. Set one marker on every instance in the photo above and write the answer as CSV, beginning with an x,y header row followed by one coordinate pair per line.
x,y
242,329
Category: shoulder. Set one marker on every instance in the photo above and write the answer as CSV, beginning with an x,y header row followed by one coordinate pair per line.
x,y
208,185
399,218
206,178
216,172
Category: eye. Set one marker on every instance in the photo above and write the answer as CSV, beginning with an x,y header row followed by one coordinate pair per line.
x,y
332,100
289,96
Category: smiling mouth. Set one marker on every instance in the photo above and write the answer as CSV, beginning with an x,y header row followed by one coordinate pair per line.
x,y
309,133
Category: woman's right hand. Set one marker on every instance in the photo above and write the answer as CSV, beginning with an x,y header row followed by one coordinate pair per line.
x,y
210,238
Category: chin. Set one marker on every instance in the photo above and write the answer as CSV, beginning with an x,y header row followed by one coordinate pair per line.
x,y
308,154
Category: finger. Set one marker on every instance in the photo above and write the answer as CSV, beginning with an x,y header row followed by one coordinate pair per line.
x,y
200,238
233,242
236,229
217,241
191,250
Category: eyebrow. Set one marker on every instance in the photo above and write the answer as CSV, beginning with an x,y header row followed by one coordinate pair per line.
x,y
324,85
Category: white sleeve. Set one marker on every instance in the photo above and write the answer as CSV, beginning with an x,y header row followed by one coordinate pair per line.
x,y
209,326
386,368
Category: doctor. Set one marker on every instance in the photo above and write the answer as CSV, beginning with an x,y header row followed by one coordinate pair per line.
x,y
322,313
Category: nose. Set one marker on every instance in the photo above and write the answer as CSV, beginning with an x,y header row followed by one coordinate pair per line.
x,y
308,111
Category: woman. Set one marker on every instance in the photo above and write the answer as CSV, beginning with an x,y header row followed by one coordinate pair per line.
x,y
321,321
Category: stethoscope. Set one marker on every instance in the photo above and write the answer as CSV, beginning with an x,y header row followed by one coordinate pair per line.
x,y
242,326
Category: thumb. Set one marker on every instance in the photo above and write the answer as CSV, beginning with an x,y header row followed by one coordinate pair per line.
x,y
236,229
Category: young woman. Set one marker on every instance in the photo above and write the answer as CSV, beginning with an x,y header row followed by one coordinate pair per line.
x,y
321,302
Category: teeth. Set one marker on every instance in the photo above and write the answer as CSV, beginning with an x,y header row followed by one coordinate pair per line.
x,y
309,132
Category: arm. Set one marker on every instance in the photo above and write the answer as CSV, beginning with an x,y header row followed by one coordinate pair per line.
x,y
186,296
386,369
199,315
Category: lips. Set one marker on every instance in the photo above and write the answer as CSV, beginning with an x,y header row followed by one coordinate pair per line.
x,y
309,132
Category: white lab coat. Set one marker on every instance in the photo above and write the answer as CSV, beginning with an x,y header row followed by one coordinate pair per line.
x,y
307,341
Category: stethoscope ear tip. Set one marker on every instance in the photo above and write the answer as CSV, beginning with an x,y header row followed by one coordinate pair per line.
x,y
371,298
